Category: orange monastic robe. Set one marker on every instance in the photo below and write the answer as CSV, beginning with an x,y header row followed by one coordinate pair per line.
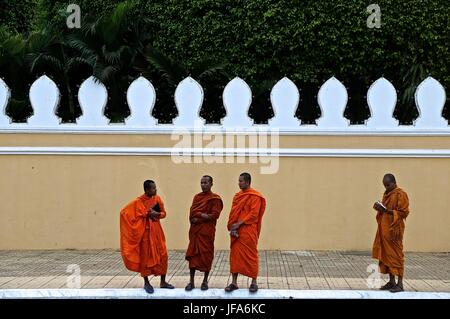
x,y
248,206
388,244
142,241
200,252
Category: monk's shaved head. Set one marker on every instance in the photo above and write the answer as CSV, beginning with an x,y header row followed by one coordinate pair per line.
x,y
209,177
147,184
389,182
206,183
390,178
247,178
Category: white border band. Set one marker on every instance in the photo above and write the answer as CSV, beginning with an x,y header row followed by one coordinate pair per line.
x,y
170,129
275,152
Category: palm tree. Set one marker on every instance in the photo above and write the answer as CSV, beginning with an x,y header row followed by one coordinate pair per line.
x,y
407,112
49,52
210,74
112,46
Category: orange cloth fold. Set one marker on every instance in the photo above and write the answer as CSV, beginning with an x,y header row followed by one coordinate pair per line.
x,y
200,251
388,243
142,240
249,207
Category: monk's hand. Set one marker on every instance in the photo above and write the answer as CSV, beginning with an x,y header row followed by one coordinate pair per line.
x,y
204,216
153,214
378,207
234,233
236,226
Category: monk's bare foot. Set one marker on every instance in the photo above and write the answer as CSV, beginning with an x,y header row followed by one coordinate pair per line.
x,y
166,285
397,288
148,288
204,286
189,286
231,287
388,286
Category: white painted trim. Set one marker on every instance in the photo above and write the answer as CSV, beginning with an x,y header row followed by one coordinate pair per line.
x,y
178,293
216,129
176,151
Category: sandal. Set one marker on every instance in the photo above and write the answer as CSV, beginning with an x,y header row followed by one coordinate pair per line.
x,y
231,287
167,286
204,286
148,288
397,288
189,287
253,288
388,286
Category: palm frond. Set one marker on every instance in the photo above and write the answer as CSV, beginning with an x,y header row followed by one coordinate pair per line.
x,y
206,71
14,45
117,22
411,79
111,57
81,47
172,71
105,73
77,61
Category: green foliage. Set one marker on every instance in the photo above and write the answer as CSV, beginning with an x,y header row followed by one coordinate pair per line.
x,y
111,46
49,52
309,41
260,40
55,11
16,16
209,73
13,67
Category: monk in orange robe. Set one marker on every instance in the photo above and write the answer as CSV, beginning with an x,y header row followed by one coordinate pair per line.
x,y
142,241
388,243
205,210
244,224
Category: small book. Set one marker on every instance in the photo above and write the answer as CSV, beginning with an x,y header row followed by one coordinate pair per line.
x,y
156,208
381,204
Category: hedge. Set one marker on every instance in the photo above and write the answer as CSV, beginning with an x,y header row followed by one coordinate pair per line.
x,y
308,41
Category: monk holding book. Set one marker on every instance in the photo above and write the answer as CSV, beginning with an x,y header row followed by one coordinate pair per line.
x,y
388,243
142,241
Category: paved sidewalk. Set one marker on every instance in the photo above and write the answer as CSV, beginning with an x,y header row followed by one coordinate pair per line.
x,y
279,270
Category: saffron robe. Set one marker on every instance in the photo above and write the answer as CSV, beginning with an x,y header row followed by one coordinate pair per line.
x,y
142,240
200,251
248,206
388,243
